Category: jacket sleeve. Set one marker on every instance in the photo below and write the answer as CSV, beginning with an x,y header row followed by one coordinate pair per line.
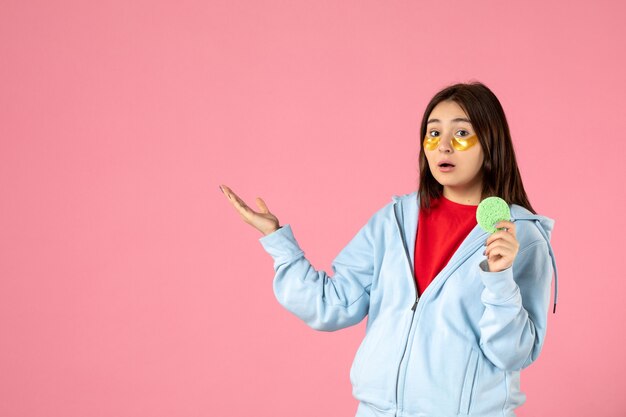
x,y
516,300
323,302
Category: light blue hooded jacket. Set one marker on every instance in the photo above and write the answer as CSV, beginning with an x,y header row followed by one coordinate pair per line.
x,y
456,350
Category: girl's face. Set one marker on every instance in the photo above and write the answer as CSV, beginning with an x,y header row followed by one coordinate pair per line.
x,y
450,137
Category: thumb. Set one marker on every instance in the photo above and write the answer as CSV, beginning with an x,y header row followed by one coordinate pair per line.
x,y
262,205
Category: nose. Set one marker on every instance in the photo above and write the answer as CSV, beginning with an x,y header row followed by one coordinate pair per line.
x,y
445,144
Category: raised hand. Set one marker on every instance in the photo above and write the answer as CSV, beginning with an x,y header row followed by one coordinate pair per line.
x,y
502,247
264,221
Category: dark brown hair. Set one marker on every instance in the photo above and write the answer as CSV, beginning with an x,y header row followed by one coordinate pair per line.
x,y
501,176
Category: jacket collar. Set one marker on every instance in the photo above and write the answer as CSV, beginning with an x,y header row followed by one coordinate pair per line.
x,y
409,209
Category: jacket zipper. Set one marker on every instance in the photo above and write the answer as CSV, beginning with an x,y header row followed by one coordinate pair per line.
x,y
413,308
408,259
417,298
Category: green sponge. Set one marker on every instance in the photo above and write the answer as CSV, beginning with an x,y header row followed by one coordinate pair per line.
x,y
491,211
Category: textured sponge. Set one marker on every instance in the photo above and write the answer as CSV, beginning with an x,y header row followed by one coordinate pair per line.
x,y
490,211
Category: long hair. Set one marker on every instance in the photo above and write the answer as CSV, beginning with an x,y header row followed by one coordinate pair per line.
x,y
501,176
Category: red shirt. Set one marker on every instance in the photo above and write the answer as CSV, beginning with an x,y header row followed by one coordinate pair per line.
x,y
440,231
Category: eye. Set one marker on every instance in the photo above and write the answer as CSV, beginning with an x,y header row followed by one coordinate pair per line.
x,y
431,133
463,130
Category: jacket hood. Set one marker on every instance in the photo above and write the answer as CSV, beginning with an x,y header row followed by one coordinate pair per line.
x,y
518,213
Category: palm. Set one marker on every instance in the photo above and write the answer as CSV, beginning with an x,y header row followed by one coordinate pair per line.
x,y
262,220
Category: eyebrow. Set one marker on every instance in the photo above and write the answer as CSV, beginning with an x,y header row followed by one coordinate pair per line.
x,y
458,119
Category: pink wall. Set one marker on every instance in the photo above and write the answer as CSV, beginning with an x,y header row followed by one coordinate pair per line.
x,y
130,287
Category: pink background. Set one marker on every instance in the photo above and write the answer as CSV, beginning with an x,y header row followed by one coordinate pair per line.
x,y
129,286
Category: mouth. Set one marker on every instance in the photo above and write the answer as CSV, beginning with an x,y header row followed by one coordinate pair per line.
x,y
445,166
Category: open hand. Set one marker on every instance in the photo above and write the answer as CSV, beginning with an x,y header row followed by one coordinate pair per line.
x,y
502,247
264,221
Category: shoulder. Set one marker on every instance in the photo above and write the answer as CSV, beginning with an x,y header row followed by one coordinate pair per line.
x,y
384,216
530,229
406,196
383,212
387,209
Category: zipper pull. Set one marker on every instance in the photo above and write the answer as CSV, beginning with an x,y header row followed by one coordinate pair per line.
x,y
415,305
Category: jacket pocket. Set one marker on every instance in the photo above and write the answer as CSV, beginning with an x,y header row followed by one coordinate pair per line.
x,y
356,363
469,383
362,356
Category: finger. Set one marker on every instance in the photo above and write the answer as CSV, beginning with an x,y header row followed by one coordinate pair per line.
x,y
227,192
497,254
510,246
500,235
498,248
509,226
240,204
243,207
262,205
234,197
501,258
498,264
224,190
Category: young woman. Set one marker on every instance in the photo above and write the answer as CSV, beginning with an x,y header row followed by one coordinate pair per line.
x,y
454,313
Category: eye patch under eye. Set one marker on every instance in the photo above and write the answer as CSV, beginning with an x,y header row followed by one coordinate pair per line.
x,y
431,143
458,143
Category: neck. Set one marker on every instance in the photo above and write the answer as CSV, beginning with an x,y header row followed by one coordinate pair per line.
x,y
464,195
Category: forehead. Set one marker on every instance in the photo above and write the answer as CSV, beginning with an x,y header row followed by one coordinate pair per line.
x,y
448,112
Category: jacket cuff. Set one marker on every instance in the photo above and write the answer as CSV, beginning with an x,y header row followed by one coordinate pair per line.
x,y
500,285
281,243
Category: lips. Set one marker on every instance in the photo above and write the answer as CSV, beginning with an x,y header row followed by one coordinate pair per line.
x,y
445,163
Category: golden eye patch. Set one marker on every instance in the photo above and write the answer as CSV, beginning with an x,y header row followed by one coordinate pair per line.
x,y
458,142
431,142
464,143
